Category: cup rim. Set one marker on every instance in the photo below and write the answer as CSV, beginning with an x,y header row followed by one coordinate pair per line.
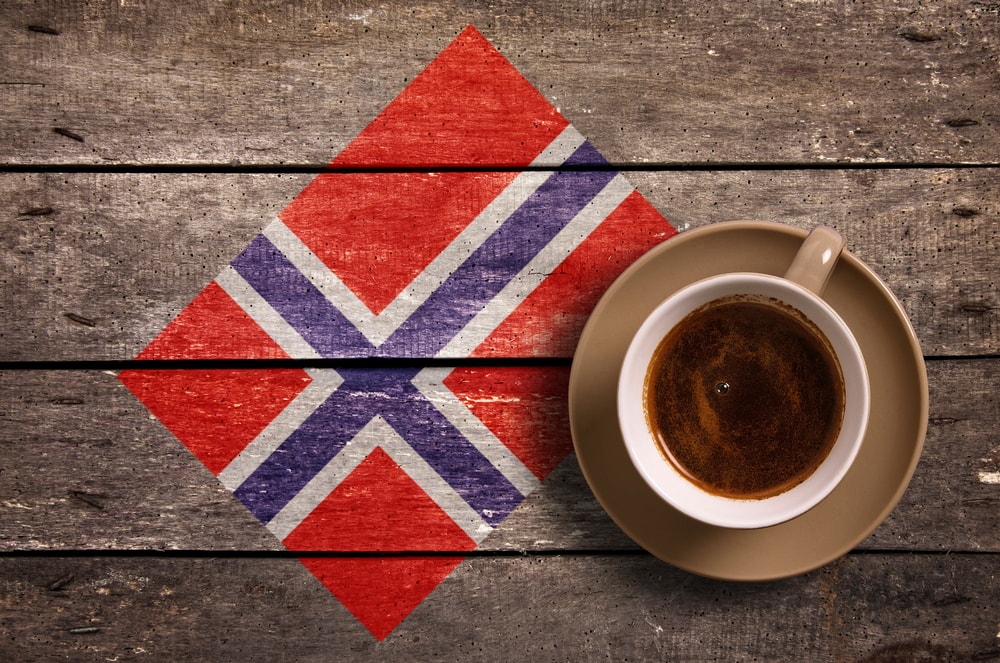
x,y
665,480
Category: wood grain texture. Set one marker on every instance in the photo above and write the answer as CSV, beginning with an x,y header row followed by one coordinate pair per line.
x,y
85,467
130,244
261,82
82,455
98,264
563,608
143,145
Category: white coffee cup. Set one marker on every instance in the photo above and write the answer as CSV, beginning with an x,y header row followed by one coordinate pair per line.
x,y
801,288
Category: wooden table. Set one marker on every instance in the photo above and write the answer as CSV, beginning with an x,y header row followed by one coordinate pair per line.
x,y
146,145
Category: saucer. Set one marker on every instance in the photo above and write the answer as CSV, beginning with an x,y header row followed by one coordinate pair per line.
x,y
867,494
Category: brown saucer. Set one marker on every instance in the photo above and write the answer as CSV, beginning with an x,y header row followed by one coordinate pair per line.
x,y
872,487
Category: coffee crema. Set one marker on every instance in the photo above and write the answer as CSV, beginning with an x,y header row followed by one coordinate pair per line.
x,y
745,397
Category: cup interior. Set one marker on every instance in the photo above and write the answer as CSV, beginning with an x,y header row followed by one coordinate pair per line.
x,y
670,484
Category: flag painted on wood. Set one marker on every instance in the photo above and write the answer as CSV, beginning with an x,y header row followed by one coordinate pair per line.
x,y
407,263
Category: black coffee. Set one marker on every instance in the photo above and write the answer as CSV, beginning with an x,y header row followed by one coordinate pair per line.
x,y
745,397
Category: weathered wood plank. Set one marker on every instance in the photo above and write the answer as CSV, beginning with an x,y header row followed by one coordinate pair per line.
x,y
256,82
103,248
96,265
85,466
81,455
920,230
562,608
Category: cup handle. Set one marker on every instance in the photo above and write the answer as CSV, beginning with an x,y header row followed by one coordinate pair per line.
x,y
816,258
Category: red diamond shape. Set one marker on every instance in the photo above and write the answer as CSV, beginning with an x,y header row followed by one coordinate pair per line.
x,y
212,326
524,407
381,591
377,231
470,106
360,224
379,507
215,412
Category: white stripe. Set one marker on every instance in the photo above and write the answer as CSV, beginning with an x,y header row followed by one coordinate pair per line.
x,y
517,290
430,382
316,271
378,433
560,149
459,250
378,327
324,383
264,314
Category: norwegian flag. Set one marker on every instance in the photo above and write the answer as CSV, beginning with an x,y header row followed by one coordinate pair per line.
x,y
403,263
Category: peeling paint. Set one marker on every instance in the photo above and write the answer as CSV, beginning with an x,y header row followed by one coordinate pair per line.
x,y
989,477
362,17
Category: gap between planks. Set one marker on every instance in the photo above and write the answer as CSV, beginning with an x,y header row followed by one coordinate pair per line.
x,y
289,169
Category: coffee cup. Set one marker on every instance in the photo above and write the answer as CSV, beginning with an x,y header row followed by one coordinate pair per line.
x,y
743,398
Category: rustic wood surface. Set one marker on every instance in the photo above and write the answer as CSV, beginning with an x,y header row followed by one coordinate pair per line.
x,y
128,251
907,81
566,607
87,468
143,145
